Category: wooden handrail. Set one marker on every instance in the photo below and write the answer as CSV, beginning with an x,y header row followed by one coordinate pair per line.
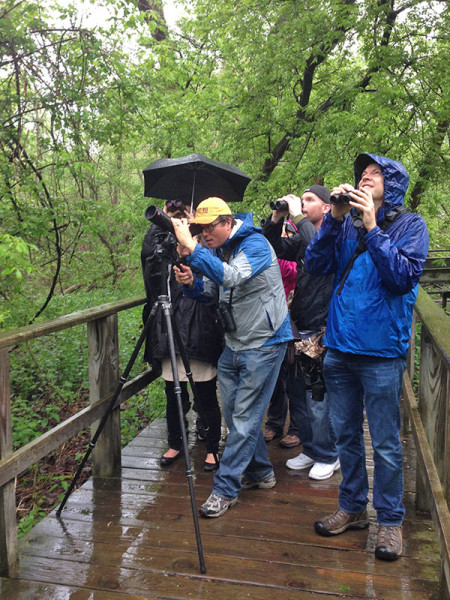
x,y
435,499
29,454
438,326
29,332
102,340
429,417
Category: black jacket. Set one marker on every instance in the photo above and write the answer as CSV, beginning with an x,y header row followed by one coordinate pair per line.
x,y
309,308
195,322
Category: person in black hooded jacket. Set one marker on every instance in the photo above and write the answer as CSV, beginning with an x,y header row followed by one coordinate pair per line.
x,y
200,336
309,310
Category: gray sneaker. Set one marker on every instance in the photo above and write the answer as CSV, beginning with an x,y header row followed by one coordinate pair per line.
x,y
215,506
248,484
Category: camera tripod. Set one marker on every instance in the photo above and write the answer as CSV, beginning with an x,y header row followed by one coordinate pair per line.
x,y
163,304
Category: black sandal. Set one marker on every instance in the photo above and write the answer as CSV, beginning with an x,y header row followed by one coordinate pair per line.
x,y
166,461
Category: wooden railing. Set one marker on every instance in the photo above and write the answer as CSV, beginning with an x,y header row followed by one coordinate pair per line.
x,y
429,417
102,342
433,273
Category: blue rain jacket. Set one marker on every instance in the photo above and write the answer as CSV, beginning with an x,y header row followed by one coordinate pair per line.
x,y
246,264
373,313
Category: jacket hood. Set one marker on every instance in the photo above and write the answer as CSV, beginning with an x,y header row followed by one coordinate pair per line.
x,y
396,178
243,228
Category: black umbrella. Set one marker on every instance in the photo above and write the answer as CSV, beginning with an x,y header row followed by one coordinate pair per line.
x,y
193,178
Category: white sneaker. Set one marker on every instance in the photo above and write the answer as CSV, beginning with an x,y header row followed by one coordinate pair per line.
x,y
324,470
299,462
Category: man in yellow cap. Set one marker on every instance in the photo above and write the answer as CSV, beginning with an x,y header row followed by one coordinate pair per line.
x,y
244,278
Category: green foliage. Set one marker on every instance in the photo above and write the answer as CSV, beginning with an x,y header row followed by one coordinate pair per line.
x,y
42,490
28,424
141,410
290,92
35,514
14,266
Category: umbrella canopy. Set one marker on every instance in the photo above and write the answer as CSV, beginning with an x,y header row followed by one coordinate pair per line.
x,y
193,178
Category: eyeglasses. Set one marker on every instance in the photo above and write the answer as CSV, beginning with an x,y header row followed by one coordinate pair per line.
x,y
210,228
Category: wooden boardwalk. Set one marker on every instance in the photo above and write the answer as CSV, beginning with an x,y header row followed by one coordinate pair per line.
x,y
133,538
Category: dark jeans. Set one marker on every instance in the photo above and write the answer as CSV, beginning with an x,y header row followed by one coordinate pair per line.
x,y
208,409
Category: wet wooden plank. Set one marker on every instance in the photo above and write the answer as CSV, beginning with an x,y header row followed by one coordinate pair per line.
x,y
143,547
110,521
133,537
263,578
30,590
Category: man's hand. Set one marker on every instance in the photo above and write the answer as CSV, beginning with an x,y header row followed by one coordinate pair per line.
x,y
182,251
183,234
295,208
184,275
363,201
338,211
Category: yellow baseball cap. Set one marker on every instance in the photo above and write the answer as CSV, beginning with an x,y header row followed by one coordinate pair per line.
x,y
208,210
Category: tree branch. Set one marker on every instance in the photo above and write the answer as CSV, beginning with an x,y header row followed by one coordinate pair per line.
x,y
428,164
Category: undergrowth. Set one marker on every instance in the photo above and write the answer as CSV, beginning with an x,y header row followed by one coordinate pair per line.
x,y
49,383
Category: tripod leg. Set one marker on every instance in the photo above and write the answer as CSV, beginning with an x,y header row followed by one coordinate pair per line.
x,y
177,389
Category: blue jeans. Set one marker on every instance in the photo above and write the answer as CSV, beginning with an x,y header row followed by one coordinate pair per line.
x,y
246,380
354,382
312,419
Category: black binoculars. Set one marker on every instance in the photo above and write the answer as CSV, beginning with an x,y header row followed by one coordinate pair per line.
x,y
279,205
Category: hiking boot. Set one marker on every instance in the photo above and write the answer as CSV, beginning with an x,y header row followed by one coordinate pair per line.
x,y
299,462
340,521
248,484
323,470
270,434
290,441
389,544
215,506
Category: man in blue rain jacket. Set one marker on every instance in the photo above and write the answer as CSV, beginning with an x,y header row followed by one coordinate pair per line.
x,y
377,251
246,279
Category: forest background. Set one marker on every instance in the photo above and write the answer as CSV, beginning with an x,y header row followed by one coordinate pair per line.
x,y
290,91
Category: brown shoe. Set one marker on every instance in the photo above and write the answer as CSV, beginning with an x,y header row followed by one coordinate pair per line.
x,y
389,544
270,434
340,521
290,441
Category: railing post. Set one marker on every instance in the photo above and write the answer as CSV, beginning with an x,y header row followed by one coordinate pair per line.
x,y
103,379
433,406
9,554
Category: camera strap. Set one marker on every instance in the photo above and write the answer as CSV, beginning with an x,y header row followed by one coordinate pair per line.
x,y
389,219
